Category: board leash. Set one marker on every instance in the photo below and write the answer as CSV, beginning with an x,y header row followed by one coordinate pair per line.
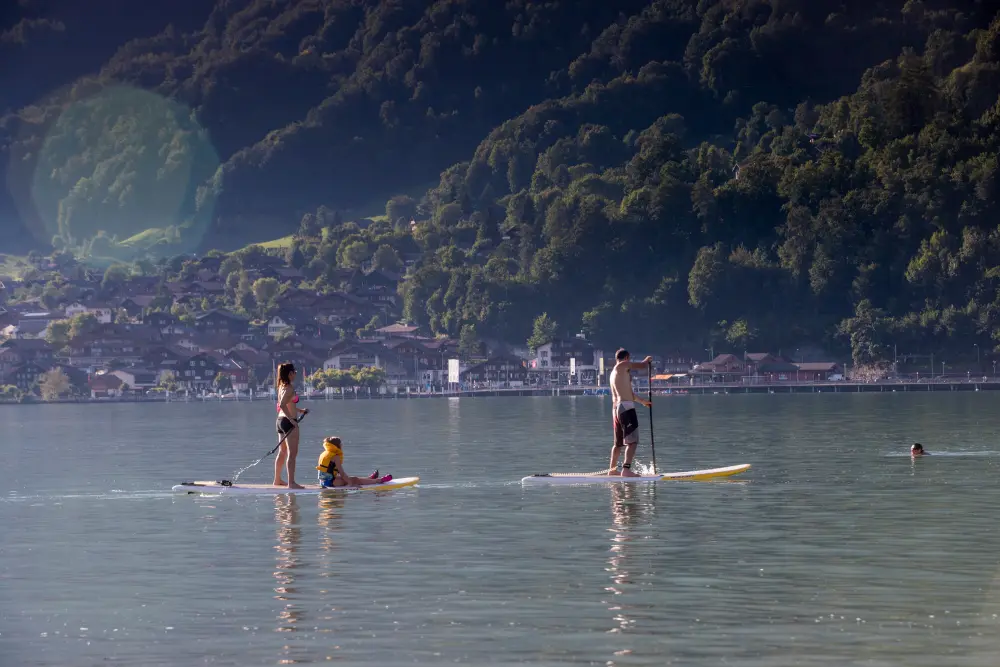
x,y
226,482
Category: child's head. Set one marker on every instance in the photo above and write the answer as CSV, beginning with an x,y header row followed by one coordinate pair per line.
x,y
332,444
917,449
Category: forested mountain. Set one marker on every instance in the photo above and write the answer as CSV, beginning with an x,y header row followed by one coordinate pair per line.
x,y
664,173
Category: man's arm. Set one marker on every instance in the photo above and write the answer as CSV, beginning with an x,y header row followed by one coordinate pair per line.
x,y
640,365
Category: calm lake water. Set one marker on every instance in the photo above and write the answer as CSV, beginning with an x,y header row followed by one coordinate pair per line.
x,y
835,549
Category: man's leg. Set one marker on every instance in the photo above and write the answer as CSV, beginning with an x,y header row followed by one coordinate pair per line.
x,y
616,447
629,455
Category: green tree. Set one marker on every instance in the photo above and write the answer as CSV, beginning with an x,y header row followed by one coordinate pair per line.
x,y
353,254
866,332
223,383
230,265
543,331
57,333
168,381
310,226
739,334
83,324
387,258
264,292
294,256
468,341
53,384
114,277
400,210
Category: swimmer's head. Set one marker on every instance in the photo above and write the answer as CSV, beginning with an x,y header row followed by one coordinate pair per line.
x,y
917,449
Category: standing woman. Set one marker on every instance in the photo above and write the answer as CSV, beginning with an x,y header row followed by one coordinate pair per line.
x,y
287,425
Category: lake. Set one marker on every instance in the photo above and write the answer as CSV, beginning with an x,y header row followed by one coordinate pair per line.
x,y
835,549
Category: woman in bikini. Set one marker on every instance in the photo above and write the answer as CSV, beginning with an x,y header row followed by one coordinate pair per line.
x,y
287,425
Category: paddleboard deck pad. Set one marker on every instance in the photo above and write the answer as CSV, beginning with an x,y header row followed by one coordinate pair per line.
x,y
688,476
225,488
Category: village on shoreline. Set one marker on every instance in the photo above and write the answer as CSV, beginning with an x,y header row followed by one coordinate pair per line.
x,y
70,334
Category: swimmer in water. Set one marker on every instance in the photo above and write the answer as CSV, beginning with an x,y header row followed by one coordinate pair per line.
x,y
917,450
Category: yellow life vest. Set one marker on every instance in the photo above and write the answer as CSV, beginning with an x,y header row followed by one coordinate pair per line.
x,y
327,462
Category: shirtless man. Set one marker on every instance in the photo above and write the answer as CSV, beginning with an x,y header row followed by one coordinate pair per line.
x,y
626,421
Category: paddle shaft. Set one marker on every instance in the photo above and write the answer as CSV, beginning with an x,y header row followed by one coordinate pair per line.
x,y
652,443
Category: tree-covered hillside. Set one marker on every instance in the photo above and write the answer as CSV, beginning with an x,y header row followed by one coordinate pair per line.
x,y
664,173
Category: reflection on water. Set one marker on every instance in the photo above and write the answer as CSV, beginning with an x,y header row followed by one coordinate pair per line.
x,y
631,505
829,553
288,562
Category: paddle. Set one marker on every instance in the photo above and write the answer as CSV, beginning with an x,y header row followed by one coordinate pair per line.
x,y
652,444
295,424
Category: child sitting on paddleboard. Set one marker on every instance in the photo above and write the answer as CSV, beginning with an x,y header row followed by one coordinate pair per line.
x,y
331,468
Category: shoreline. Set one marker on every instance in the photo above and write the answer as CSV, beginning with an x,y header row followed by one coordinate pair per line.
x,y
992,384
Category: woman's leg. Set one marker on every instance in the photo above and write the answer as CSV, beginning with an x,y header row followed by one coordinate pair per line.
x,y
279,464
353,481
293,452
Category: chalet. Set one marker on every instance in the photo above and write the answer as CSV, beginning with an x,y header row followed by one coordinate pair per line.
x,y
239,374
105,385
136,285
263,261
220,321
398,331
8,359
335,307
380,298
817,371
295,298
255,364
723,368
197,372
24,350
210,263
179,288
207,275
501,370
345,277
102,312
95,350
428,358
24,376
556,355
357,355
208,288
218,343
137,378
164,357
289,275
306,353
34,325
138,304
295,321
138,331
672,362
378,280
166,323
777,370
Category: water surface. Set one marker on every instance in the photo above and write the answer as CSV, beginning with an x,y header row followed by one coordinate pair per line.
x,y
833,550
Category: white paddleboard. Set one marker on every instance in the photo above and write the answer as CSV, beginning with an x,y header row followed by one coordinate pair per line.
x,y
688,476
218,488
